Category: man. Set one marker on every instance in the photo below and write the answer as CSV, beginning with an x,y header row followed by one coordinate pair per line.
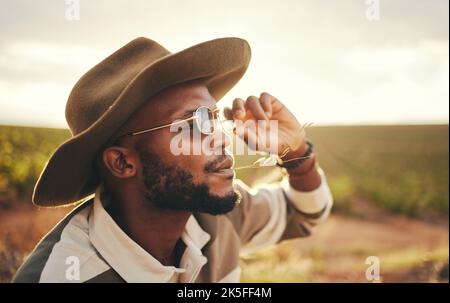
x,y
158,215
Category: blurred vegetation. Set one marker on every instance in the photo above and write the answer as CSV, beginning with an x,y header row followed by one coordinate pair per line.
x,y
404,169
401,168
23,153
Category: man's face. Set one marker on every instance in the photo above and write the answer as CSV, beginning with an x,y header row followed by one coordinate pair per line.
x,y
192,182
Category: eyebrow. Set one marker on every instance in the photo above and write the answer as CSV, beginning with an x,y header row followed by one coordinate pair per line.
x,y
188,113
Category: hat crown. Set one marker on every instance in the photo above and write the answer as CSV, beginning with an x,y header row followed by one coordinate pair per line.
x,y
96,91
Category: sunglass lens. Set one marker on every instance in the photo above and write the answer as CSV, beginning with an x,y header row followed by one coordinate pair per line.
x,y
205,120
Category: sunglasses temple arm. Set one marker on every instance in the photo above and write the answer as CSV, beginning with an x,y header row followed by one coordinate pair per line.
x,y
162,126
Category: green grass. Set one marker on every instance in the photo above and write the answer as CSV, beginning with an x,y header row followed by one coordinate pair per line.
x,y
400,168
403,169
23,153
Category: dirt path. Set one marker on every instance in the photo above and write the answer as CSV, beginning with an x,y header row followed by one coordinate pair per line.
x,y
406,247
396,232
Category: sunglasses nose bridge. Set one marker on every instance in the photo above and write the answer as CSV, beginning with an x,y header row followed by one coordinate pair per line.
x,y
205,120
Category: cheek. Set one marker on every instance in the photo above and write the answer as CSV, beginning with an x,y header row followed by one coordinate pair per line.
x,y
194,164
161,141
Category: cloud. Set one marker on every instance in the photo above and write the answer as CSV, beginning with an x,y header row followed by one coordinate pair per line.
x,y
322,58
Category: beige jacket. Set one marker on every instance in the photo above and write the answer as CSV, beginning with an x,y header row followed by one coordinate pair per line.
x,y
88,246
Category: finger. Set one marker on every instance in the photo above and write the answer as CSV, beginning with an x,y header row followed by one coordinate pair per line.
x,y
228,113
238,109
248,133
251,139
266,103
254,105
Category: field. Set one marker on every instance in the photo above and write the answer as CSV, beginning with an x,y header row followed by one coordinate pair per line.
x,y
390,185
399,168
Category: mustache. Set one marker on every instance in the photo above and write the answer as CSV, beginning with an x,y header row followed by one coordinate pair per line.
x,y
212,165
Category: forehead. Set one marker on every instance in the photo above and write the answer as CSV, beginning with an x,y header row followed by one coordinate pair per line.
x,y
178,99
172,103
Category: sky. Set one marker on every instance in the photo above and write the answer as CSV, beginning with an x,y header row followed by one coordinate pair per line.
x,y
330,62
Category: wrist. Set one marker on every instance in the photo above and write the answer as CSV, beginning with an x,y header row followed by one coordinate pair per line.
x,y
304,169
297,158
299,152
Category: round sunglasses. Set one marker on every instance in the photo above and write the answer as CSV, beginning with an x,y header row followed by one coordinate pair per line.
x,y
204,119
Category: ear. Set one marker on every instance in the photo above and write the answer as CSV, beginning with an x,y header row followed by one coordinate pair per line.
x,y
120,162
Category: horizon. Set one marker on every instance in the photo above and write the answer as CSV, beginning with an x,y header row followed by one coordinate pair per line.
x,y
313,126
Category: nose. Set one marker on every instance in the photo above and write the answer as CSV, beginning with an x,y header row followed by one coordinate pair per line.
x,y
219,139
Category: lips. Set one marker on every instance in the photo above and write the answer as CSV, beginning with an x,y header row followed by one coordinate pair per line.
x,y
225,164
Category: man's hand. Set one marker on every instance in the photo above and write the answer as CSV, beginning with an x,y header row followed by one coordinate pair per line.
x,y
290,133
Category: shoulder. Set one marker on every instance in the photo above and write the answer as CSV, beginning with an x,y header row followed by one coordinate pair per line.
x,y
65,254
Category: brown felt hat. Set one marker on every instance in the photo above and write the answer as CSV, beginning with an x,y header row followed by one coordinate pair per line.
x,y
108,94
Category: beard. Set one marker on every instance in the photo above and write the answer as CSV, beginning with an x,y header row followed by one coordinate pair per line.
x,y
170,187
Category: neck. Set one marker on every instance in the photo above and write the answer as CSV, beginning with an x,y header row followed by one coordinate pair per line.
x,y
155,230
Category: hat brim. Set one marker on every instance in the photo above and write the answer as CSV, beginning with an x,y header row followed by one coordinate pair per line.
x,y
69,177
